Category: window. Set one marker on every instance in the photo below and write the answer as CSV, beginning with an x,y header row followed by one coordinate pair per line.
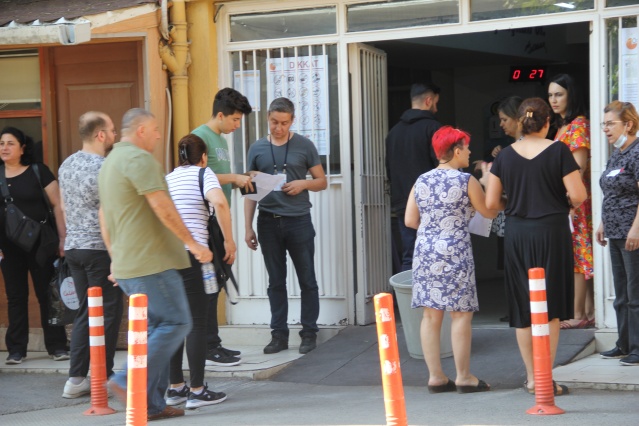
x,y
290,23
20,94
497,9
613,3
401,13
307,75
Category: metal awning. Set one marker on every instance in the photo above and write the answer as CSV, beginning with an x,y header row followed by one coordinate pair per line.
x,y
35,22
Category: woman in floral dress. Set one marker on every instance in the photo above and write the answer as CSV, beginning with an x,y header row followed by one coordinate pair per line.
x,y
440,206
574,131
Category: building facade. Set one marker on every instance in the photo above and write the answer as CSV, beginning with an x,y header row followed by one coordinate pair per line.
x,y
348,66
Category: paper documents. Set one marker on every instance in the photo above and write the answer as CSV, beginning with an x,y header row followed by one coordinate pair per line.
x,y
264,184
480,225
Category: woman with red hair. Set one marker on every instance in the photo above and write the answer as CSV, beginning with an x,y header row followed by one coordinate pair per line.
x,y
440,207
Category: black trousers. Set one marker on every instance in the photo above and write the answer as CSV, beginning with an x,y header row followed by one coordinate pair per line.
x,y
196,339
16,267
90,268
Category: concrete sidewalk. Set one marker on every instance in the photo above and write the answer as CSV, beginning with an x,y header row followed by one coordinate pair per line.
x,y
350,358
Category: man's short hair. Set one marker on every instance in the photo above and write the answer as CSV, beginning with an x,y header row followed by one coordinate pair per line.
x,y
419,91
229,101
284,105
89,122
133,117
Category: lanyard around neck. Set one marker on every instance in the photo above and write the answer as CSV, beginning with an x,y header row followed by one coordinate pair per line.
x,y
285,155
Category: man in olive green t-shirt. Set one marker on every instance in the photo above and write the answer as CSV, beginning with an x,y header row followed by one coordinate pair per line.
x,y
145,237
229,106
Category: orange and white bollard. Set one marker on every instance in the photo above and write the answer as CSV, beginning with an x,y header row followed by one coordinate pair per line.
x,y
544,386
136,405
99,396
394,402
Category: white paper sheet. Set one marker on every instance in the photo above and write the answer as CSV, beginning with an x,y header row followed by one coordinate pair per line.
x,y
479,225
265,183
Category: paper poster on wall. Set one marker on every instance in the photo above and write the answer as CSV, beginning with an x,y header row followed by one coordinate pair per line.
x,y
304,80
248,83
629,65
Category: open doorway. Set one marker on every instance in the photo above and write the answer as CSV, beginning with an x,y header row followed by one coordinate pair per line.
x,y
475,72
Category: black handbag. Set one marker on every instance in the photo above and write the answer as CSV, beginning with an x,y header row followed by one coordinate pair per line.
x,y
223,270
49,239
19,228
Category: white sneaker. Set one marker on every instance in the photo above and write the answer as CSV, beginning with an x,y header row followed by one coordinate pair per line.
x,y
76,391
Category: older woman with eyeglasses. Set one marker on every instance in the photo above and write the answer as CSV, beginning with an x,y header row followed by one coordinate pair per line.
x,y
620,225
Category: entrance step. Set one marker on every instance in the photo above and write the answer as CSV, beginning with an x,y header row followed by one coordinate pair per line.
x,y
250,340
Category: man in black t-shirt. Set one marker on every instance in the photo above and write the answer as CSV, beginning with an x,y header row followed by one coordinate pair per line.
x,y
409,153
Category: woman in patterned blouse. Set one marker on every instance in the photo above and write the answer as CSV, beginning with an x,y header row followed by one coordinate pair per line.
x,y
573,129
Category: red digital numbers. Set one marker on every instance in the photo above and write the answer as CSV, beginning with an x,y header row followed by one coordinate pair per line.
x,y
524,74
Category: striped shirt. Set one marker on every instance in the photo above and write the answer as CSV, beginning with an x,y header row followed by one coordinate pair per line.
x,y
184,188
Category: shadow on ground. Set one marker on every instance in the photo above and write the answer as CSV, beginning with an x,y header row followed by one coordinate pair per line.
x,y
352,359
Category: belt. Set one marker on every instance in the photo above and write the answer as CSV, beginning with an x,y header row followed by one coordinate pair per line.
x,y
272,215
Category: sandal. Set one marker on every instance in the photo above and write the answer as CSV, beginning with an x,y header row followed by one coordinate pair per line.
x,y
480,387
447,387
567,325
559,389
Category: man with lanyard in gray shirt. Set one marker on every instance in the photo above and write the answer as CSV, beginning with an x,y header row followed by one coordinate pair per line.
x,y
284,222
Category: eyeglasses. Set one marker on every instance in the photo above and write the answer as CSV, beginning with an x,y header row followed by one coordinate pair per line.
x,y
611,123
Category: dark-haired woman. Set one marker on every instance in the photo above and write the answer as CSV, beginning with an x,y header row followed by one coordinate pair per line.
x,y
574,131
17,160
542,182
184,187
440,207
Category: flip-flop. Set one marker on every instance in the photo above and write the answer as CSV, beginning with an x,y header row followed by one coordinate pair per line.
x,y
559,390
447,387
566,325
480,387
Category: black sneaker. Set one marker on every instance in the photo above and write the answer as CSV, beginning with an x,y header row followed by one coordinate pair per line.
x,y
230,352
206,397
60,355
220,358
632,359
175,397
14,358
277,344
613,353
309,342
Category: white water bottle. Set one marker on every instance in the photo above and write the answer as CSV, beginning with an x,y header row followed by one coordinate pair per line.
x,y
210,279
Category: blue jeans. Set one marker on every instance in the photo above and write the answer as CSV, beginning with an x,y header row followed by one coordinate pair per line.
x,y
277,235
409,235
169,321
625,275
90,268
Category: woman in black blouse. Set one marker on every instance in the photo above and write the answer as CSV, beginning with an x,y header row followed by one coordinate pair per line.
x,y
16,160
542,182
620,225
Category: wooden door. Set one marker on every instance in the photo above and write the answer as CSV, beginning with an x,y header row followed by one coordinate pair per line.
x,y
103,77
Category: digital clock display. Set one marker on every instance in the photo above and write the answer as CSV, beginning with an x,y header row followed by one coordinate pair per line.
x,y
527,74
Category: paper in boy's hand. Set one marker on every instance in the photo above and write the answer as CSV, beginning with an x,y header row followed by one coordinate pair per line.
x,y
264,184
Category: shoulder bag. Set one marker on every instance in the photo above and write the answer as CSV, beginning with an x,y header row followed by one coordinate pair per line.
x,y
20,229
223,270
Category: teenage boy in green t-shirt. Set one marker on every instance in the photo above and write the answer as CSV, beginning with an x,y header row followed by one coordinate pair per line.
x,y
229,106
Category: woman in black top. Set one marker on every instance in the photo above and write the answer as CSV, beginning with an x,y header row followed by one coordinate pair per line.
x,y
16,159
620,225
542,182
